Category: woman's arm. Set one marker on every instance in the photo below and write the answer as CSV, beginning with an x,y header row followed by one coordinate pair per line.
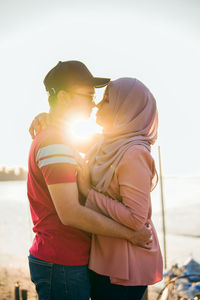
x,y
134,176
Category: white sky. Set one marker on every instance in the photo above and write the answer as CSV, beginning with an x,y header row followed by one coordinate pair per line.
x,y
157,42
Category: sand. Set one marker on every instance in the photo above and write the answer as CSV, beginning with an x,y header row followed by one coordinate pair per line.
x,y
9,277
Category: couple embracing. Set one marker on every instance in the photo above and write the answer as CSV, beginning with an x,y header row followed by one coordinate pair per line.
x,y
94,237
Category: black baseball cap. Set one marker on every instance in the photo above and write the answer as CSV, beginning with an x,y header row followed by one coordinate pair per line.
x,y
68,73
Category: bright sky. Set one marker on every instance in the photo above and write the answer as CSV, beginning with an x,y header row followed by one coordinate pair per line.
x,y
157,42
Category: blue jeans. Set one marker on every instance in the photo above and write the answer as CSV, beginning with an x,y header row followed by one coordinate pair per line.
x,y
59,282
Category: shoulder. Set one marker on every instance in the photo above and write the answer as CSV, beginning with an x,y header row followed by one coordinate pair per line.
x,y
137,151
137,157
50,136
50,144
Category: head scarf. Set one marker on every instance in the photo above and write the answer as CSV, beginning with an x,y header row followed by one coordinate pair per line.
x,y
135,123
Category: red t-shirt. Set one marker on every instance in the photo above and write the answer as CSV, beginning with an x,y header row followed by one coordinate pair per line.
x,y
51,161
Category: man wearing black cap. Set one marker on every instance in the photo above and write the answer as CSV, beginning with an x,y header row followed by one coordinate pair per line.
x,y
59,254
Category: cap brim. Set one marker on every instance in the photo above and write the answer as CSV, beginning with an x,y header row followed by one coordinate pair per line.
x,y
101,82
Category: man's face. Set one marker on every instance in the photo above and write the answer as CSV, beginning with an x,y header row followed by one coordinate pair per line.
x,y
80,101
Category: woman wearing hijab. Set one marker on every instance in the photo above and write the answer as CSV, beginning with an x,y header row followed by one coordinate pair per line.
x,y
122,175
116,179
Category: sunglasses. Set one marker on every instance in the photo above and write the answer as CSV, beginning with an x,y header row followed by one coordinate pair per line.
x,y
90,97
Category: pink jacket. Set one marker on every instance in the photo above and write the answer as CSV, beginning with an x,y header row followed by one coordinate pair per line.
x,y
125,263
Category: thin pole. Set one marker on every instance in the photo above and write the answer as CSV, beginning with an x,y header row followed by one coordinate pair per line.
x,y
163,210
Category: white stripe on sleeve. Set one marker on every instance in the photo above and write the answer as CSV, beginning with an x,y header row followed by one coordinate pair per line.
x,y
54,149
56,160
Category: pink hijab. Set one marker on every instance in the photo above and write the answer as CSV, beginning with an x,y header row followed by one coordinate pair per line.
x,y
135,123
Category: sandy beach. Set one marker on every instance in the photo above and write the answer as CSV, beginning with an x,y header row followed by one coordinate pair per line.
x,y
9,277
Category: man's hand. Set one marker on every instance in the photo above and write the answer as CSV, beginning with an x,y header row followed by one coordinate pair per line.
x,y
40,122
143,237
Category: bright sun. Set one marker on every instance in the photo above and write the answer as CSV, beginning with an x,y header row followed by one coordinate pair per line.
x,y
83,130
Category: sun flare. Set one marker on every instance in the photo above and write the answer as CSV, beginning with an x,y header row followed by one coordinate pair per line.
x,y
82,130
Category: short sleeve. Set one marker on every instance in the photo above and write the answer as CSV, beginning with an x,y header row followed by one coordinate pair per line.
x,y
57,163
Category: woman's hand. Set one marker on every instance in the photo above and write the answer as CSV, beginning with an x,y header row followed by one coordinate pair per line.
x,y
83,175
40,122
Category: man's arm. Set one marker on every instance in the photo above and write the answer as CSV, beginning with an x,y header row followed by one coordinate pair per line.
x,y
70,212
